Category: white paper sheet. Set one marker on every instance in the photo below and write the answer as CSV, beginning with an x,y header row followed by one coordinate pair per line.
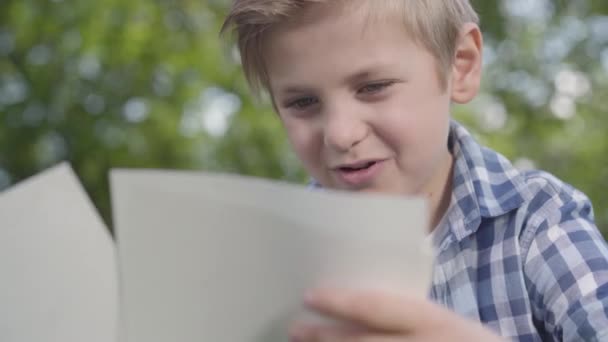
x,y
222,258
57,261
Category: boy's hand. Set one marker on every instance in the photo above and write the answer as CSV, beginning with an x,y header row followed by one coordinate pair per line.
x,y
381,317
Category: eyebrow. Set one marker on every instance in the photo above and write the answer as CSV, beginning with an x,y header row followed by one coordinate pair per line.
x,y
295,90
363,74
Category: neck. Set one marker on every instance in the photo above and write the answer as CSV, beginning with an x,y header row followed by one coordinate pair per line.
x,y
441,191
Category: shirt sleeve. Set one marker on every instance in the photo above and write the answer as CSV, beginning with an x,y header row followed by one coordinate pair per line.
x,y
566,269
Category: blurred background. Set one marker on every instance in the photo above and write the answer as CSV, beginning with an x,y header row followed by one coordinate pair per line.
x,y
148,83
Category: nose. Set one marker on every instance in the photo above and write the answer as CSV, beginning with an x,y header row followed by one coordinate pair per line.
x,y
344,129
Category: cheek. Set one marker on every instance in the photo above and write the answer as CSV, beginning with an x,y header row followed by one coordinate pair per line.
x,y
416,131
396,126
304,141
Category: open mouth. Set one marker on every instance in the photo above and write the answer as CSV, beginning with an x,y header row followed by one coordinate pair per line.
x,y
361,173
358,167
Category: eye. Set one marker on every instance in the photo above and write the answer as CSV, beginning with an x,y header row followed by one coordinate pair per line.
x,y
375,87
302,103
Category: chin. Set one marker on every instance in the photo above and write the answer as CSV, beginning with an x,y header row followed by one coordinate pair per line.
x,y
389,190
376,189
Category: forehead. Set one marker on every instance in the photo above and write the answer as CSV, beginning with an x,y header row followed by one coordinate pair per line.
x,y
335,38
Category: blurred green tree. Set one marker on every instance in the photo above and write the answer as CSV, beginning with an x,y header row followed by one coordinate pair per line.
x,y
149,84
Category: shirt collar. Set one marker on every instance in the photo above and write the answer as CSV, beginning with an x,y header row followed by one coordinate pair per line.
x,y
484,185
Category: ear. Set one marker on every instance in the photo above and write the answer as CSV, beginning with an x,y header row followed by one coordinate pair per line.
x,y
466,70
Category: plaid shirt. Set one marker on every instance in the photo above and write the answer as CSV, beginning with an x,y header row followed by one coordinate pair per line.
x,y
519,251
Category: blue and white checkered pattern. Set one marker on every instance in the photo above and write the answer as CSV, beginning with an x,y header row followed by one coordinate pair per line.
x,y
519,251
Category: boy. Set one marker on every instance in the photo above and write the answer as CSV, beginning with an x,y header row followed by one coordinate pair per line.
x,y
364,89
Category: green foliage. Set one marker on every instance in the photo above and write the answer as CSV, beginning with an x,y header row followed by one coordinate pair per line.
x,y
150,84
546,78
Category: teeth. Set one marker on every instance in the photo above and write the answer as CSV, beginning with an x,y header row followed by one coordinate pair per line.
x,y
364,166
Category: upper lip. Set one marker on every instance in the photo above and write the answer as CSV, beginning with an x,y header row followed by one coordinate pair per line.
x,y
356,164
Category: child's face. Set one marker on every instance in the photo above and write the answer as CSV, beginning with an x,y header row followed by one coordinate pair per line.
x,y
362,103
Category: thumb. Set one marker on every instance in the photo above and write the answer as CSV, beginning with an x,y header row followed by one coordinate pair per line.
x,y
389,312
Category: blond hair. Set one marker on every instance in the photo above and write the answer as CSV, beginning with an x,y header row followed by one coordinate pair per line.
x,y
435,24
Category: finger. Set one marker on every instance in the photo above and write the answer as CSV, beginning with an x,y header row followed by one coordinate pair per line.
x,y
390,313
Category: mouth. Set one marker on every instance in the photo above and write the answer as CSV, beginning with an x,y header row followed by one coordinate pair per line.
x,y
359,174
358,166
